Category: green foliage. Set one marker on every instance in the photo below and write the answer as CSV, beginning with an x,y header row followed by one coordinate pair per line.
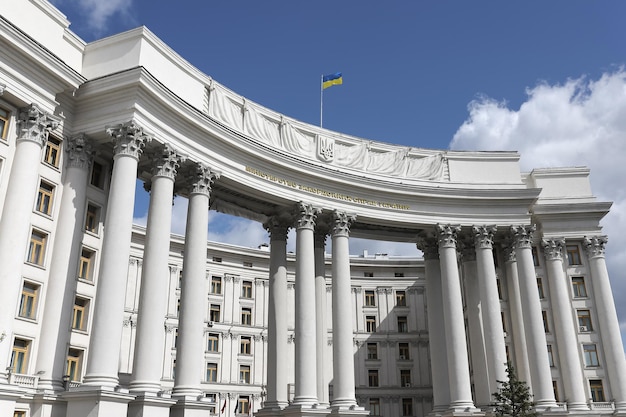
x,y
513,398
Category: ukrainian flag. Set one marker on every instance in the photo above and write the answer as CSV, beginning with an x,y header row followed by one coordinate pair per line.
x,y
332,79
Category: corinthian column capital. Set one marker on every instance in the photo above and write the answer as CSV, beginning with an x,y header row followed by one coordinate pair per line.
x,y
201,178
341,223
428,245
277,226
166,161
595,246
523,235
553,248
79,150
306,215
34,124
483,236
128,139
447,235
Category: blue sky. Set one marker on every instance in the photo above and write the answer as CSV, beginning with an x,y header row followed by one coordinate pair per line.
x,y
544,78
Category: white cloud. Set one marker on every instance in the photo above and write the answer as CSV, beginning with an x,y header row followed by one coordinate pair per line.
x,y
579,123
98,12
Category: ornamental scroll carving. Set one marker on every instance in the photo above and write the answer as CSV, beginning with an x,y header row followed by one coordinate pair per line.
x,y
447,235
128,139
201,179
291,136
553,249
306,215
79,150
341,223
523,236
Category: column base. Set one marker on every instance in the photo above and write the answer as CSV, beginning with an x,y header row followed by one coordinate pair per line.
x,y
94,401
274,410
305,410
185,407
459,411
352,410
145,405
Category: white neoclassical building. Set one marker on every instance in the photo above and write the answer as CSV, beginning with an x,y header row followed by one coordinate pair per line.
x,y
102,318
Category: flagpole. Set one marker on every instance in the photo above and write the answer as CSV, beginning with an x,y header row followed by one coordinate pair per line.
x,y
321,97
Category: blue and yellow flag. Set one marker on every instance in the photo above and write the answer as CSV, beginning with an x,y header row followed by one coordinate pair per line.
x,y
332,79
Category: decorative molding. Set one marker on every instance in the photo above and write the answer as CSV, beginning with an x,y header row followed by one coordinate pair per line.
x,y
35,125
508,247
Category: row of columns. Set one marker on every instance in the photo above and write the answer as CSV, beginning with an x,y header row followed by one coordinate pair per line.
x,y
451,386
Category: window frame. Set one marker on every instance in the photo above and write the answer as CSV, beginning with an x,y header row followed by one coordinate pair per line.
x,y
246,316
86,263
37,248
403,324
52,153
45,198
6,120
80,314
97,175
25,355
596,386
590,356
370,324
372,350
369,299
405,378
34,300
578,283
404,351
246,289
216,285
585,324
92,218
245,345
407,407
213,342
244,374
401,298
573,255
373,379
215,310
77,361
211,372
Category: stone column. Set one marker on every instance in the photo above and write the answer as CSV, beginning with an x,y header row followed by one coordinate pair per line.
x,y
193,306
482,389
517,319
306,375
454,322
277,349
564,326
33,126
343,354
490,305
55,331
607,319
108,314
321,329
436,330
147,369
543,393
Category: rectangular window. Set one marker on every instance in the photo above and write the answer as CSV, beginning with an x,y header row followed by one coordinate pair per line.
x,y
37,247
591,355
398,274
374,406
550,356
19,413
540,288
247,264
407,406
573,255
217,259
214,342
370,324
214,313
85,267
597,390
372,377
535,256
28,301
79,318
555,388
244,374
211,372
19,356
578,287
246,316
44,198
499,286
92,218
403,325
372,351
216,285
401,298
246,289
370,298
368,274
4,123
245,347
405,377
53,152
73,364
97,175
403,351
544,316
584,321
243,405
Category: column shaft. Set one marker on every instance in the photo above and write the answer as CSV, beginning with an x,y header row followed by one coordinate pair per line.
x,y
108,314
147,369
277,349
33,127
306,375
543,394
458,366
320,319
55,330
343,354
190,349
607,320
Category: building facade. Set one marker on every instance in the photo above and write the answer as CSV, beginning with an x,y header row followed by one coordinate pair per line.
x,y
102,318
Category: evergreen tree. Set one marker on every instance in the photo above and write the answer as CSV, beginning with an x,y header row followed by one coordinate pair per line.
x,y
513,398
